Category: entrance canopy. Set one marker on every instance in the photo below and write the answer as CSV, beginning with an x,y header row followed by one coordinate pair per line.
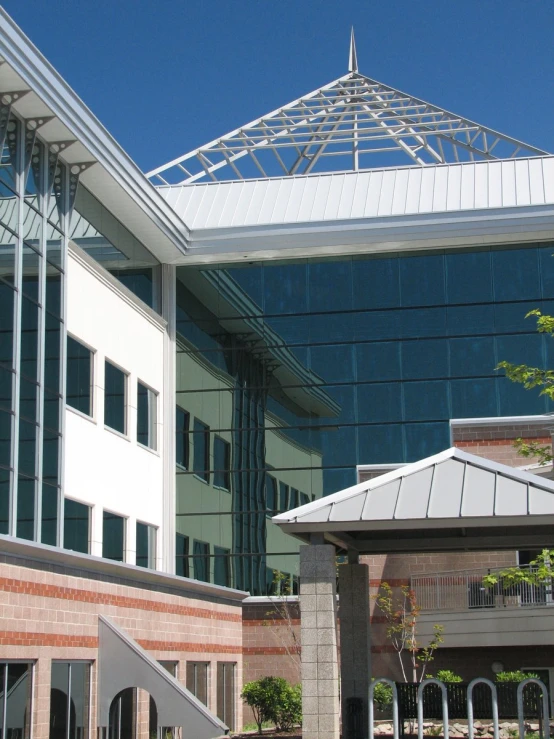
x,y
452,501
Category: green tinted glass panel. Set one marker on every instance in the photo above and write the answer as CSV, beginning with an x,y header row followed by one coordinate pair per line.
x,y
201,560
6,388
182,438
30,312
4,501
26,508
182,555
49,530
28,432
222,566
113,537
79,376
7,296
222,463
114,398
76,526
201,440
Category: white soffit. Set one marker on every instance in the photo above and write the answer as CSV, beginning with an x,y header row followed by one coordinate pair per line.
x,y
452,485
370,194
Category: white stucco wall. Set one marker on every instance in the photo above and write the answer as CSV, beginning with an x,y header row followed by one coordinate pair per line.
x,y
103,468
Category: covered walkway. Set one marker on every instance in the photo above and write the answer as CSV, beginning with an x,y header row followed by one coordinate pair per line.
x,y
452,501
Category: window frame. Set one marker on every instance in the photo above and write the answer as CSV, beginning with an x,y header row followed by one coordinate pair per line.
x,y
92,395
152,421
126,375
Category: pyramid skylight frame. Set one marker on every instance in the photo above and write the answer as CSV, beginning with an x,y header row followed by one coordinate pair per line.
x,y
349,121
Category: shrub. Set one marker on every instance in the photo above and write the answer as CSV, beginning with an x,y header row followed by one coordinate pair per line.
x,y
382,696
273,699
447,676
514,676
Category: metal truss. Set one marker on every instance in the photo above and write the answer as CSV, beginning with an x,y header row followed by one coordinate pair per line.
x,y
352,123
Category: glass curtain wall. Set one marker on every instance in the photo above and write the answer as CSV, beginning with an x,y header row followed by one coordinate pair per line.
x,y
310,367
35,200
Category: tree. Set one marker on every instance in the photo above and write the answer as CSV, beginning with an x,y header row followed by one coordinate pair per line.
x,y
531,378
539,573
401,613
273,699
282,617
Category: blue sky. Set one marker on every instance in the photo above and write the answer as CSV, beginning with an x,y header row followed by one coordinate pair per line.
x,y
165,76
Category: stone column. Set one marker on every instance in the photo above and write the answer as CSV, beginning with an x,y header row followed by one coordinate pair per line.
x,y
318,614
355,654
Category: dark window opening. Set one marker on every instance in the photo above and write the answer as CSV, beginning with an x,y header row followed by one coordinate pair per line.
x,y
182,555
182,421
201,459
115,400
113,537
222,463
79,377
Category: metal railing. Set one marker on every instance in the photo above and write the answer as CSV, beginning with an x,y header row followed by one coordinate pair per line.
x,y
462,590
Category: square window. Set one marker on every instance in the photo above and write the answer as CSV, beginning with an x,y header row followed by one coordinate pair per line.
x,y
201,459
115,398
222,463
79,376
147,414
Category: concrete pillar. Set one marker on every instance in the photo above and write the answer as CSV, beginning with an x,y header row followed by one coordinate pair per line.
x,y
355,654
318,613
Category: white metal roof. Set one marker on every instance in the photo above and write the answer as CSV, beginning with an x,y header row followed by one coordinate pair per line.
x,y
377,193
353,122
451,498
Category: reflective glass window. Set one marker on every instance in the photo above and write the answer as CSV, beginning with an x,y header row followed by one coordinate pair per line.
x,y
31,272
469,277
146,546
115,398
76,526
52,351
7,296
15,699
226,693
30,312
26,490
271,495
28,432
182,555
516,274
147,402
182,437
283,497
5,438
49,520
69,700
197,680
51,457
222,463
201,560
113,537
4,501
6,388
201,459
53,302
222,573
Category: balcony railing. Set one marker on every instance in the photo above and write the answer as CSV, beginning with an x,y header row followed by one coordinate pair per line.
x,y
464,590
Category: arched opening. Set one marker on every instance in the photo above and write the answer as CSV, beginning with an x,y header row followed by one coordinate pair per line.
x,y
123,715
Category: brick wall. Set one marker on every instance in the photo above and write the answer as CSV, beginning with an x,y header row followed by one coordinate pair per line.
x,y
49,612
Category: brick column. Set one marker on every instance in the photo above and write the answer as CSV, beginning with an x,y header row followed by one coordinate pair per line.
x,y
355,654
318,614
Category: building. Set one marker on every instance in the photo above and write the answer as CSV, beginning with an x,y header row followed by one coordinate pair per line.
x,y
239,332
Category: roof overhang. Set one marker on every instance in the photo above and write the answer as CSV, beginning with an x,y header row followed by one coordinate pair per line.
x,y
114,178
452,501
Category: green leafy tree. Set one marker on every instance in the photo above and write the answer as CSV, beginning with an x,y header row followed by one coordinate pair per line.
x,y
273,699
401,613
539,573
531,378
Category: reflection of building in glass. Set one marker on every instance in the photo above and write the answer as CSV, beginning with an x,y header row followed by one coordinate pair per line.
x,y
249,411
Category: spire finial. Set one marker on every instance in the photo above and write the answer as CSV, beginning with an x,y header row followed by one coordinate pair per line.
x,y
352,57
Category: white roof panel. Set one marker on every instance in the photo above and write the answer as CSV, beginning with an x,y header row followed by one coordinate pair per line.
x,y
343,197
450,485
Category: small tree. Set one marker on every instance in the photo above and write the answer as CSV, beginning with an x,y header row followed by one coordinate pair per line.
x,y
274,699
281,618
531,378
401,614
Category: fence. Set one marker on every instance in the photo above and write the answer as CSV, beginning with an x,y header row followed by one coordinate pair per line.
x,y
463,590
432,699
